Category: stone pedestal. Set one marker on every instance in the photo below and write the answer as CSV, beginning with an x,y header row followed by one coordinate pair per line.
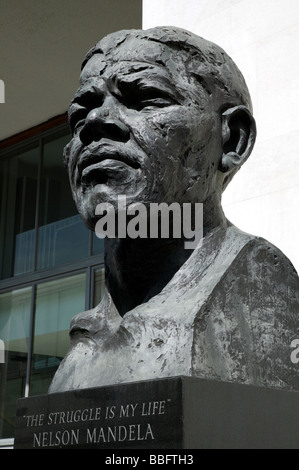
x,y
173,413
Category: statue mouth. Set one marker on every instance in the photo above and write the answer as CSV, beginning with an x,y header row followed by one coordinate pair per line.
x,y
99,163
100,173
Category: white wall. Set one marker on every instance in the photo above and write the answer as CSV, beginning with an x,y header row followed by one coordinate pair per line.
x,y
262,36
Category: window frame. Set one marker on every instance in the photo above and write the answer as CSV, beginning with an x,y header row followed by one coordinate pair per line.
x,y
8,149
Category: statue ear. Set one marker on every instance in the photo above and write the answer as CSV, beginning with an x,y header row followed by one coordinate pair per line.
x,y
238,137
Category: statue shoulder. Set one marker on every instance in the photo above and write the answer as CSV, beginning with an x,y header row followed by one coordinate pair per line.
x,y
245,329
263,278
263,262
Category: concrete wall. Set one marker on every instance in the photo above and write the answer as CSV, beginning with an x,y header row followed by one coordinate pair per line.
x,y
262,36
42,44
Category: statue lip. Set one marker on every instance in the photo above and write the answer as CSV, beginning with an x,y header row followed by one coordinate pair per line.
x,y
93,156
101,172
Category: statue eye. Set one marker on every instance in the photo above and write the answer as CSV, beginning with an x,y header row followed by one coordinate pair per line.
x,y
77,115
151,97
140,96
81,105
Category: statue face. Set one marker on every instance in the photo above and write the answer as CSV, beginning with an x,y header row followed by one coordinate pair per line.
x,y
141,129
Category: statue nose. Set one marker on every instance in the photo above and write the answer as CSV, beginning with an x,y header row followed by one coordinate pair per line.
x,y
102,123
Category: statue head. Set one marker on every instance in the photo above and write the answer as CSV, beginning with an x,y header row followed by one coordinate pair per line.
x,y
160,115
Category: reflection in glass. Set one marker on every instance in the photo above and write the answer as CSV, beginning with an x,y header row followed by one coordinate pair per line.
x,y
14,331
18,206
56,304
98,245
62,236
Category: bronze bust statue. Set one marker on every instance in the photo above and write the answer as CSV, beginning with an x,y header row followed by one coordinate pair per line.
x,y
163,115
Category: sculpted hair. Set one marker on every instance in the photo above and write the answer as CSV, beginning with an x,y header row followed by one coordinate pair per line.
x,y
204,60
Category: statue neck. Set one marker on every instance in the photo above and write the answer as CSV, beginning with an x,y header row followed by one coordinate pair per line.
x,y
138,269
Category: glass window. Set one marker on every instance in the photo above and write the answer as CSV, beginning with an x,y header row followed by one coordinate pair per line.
x,y
62,236
40,229
14,332
18,201
56,303
98,245
35,188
